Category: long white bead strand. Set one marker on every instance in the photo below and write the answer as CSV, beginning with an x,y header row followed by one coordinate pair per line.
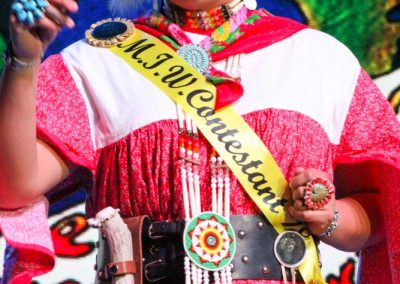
x,y
227,212
192,195
223,276
189,156
229,273
206,277
199,275
182,152
196,159
213,162
217,280
227,203
186,264
220,184
194,274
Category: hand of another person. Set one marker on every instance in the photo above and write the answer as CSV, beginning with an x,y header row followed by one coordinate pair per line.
x,y
318,220
30,41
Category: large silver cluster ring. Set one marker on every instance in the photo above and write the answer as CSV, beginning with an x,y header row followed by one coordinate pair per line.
x,y
28,12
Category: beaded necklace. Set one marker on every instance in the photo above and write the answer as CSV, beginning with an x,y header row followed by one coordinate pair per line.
x,y
201,55
190,181
215,46
226,33
189,161
202,20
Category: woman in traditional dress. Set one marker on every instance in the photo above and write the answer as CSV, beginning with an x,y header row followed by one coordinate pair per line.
x,y
94,117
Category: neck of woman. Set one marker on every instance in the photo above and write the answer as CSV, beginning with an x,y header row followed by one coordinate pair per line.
x,y
199,20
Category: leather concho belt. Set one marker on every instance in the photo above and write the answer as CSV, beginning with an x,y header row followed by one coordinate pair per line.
x,y
159,245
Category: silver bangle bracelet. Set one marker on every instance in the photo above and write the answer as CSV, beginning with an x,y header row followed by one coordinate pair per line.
x,y
332,226
14,62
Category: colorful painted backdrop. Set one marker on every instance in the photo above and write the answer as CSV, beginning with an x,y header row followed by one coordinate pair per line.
x,y
370,28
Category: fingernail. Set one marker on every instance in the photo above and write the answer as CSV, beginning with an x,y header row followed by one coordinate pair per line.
x,y
70,23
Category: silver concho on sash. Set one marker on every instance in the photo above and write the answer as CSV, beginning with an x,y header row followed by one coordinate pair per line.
x,y
197,56
290,250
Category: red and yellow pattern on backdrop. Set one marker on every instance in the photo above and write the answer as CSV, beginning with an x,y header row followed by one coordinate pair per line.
x,y
370,28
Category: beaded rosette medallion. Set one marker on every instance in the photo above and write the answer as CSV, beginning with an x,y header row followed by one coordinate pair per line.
x,y
209,241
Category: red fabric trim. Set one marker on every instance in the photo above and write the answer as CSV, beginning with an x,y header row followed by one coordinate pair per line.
x,y
62,149
32,261
154,33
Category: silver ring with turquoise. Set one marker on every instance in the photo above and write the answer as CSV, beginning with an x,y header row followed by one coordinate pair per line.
x,y
28,12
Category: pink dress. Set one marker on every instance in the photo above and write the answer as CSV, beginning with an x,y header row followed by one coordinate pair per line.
x,y
305,96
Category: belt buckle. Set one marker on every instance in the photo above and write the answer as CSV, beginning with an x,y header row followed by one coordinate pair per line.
x,y
147,271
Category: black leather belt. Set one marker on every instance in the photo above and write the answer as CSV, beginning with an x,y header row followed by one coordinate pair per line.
x,y
163,252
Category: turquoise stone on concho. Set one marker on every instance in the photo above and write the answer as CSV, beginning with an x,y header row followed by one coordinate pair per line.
x,y
196,56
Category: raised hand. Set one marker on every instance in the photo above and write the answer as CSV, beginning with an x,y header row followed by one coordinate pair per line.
x,y
30,38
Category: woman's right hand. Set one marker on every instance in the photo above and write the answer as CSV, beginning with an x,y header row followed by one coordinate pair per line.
x,y
30,42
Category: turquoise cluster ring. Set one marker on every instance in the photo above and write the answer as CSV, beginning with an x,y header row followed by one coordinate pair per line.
x,y
28,12
317,193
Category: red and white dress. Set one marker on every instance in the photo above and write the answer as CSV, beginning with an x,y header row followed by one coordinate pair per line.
x,y
305,96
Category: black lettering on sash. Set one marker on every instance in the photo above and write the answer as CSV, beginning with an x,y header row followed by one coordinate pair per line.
x,y
171,79
136,48
178,79
203,96
261,185
232,144
298,227
255,178
243,158
205,111
230,132
220,126
163,57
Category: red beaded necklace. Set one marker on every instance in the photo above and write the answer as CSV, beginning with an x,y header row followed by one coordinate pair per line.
x,y
203,20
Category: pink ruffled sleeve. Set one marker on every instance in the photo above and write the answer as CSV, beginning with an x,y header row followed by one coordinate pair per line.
x,y
62,117
368,160
62,122
31,253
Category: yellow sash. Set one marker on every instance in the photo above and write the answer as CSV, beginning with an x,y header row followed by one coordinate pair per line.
x,y
243,151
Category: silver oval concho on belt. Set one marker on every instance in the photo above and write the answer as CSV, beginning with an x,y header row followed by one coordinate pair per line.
x,y
290,250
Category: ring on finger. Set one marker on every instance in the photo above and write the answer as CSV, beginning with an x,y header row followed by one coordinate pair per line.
x,y
28,12
317,193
